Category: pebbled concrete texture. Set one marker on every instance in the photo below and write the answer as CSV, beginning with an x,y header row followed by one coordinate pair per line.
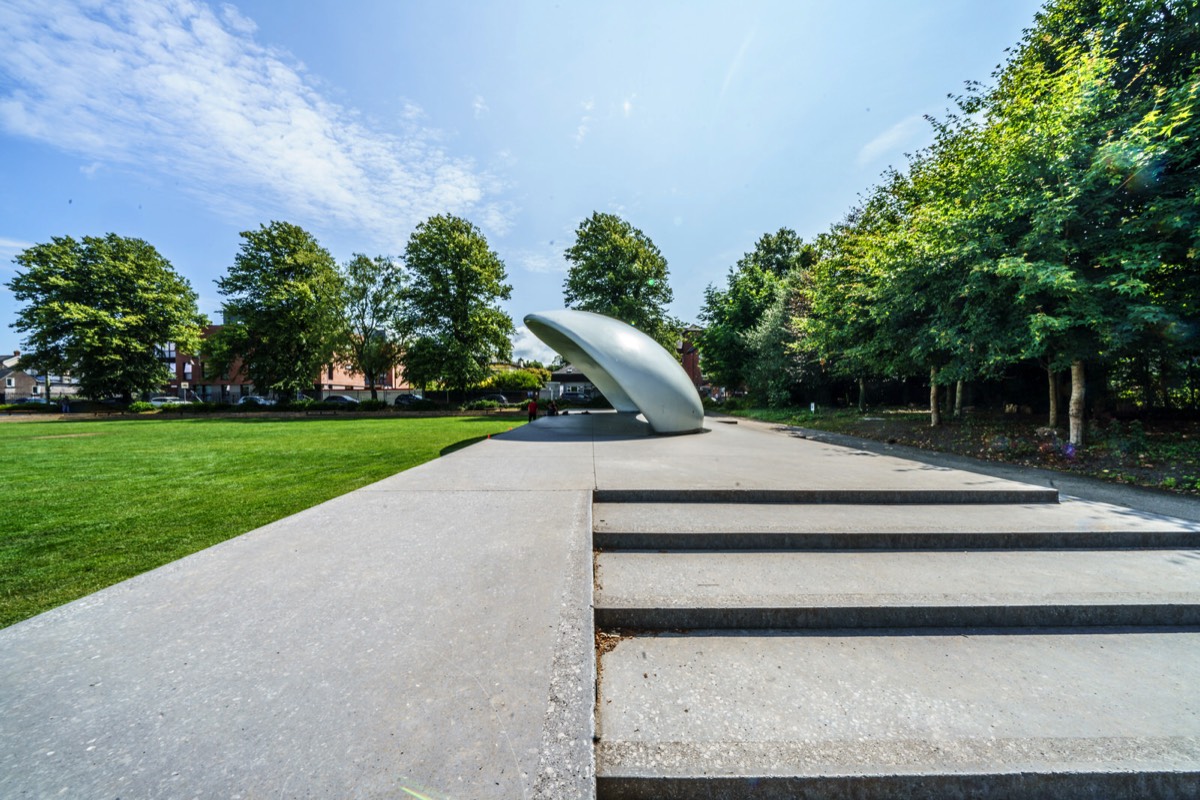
x,y
681,580
430,633
1068,515
852,703
391,639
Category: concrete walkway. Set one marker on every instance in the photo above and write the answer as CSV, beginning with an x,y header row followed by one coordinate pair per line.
x,y
428,635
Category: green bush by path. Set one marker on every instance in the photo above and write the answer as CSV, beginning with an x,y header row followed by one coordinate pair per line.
x,y
93,503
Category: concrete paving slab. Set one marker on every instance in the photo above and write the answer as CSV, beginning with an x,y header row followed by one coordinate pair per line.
x,y
431,632
663,591
722,526
436,641
1067,515
733,458
878,705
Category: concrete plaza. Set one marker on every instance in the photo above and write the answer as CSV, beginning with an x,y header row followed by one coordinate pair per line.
x,y
432,634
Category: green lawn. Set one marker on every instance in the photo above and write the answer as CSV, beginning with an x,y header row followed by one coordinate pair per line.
x,y
93,503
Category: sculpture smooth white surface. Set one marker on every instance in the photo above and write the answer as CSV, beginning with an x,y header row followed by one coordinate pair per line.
x,y
629,368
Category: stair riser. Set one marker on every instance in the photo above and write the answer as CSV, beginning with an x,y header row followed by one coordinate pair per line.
x,y
1116,616
1055,540
839,496
1028,786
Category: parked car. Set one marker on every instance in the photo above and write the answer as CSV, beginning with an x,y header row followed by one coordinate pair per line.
x,y
339,399
496,398
255,400
406,400
20,401
164,400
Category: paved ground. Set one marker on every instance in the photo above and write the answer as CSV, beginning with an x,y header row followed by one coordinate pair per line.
x,y
430,633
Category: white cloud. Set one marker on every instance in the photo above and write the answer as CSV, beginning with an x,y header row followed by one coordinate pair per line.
x,y
496,218
481,107
531,348
8,250
627,106
549,260
91,169
11,247
905,133
581,132
173,87
736,64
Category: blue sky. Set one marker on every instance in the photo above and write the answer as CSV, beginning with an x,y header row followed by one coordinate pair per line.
x,y
705,125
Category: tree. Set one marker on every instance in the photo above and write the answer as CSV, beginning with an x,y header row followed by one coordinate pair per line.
x,y
99,309
283,309
617,271
751,288
373,290
450,317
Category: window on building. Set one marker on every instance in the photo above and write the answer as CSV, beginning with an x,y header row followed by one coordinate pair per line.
x,y
10,383
187,371
166,352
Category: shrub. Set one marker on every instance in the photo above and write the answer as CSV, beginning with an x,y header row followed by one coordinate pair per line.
x,y
140,406
209,408
481,405
517,380
732,404
372,405
423,405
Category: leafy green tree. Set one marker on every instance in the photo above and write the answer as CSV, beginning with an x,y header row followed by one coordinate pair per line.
x,y
283,309
450,317
99,309
751,288
373,292
779,362
617,271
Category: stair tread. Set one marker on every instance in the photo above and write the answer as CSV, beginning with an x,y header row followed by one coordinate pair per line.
x,y
883,703
873,578
1068,516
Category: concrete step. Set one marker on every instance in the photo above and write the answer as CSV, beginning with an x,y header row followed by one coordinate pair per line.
x,y
1068,524
985,493
874,589
1062,714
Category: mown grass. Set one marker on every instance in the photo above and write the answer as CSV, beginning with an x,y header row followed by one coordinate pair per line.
x,y
90,504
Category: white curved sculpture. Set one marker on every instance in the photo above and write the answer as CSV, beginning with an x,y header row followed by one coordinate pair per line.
x,y
632,370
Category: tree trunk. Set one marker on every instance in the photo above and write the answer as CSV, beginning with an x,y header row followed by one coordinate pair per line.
x,y
958,399
935,410
1075,409
374,388
862,395
1052,378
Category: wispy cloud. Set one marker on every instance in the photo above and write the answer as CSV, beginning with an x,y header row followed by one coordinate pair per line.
x,y
581,131
548,260
529,347
627,106
480,106
8,250
905,133
736,64
174,87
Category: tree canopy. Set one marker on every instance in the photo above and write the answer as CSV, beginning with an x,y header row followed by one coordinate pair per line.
x,y
373,293
450,316
617,271
1054,220
752,288
99,309
283,309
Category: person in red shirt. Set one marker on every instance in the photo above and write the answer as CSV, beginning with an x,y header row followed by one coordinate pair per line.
x,y
533,409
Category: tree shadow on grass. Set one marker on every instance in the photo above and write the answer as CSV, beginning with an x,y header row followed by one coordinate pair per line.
x,y
450,448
